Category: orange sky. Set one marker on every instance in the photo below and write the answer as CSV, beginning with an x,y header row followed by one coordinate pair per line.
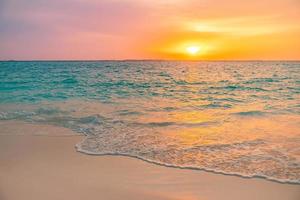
x,y
149,29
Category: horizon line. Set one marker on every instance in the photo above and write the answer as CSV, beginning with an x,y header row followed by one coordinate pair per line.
x,y
139,60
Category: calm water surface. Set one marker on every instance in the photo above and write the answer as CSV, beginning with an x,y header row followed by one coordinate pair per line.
x,y
238,118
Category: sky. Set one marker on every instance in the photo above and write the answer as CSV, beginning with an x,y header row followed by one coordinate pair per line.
x,y
150,29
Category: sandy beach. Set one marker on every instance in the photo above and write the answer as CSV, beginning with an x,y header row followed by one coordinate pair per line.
x,y
42,163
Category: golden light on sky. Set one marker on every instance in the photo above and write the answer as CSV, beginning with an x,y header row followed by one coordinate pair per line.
x,y
193,50
144,29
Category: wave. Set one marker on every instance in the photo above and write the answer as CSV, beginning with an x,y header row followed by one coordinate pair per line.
x,y
212,170
149,141
250,113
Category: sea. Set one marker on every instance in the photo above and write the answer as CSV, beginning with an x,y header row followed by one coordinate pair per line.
x,y
231,117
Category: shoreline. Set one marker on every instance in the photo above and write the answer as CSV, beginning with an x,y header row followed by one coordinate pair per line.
x,y
43,167
187,168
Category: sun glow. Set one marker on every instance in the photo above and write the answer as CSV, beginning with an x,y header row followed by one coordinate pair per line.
x,y
193,50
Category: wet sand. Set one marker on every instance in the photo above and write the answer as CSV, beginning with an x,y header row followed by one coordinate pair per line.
x,y
41,162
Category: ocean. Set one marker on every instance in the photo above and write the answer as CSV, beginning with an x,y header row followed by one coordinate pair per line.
x,y
237,118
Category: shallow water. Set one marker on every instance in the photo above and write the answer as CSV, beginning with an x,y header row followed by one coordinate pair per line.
x,y
231,117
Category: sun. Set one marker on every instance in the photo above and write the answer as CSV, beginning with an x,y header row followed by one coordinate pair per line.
x,y
193,50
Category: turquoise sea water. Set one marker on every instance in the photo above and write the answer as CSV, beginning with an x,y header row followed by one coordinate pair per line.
x,y
237,118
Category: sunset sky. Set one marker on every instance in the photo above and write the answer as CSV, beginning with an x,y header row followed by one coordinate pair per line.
x,y
150,29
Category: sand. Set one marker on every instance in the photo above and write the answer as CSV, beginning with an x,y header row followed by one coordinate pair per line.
x,y
40,162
